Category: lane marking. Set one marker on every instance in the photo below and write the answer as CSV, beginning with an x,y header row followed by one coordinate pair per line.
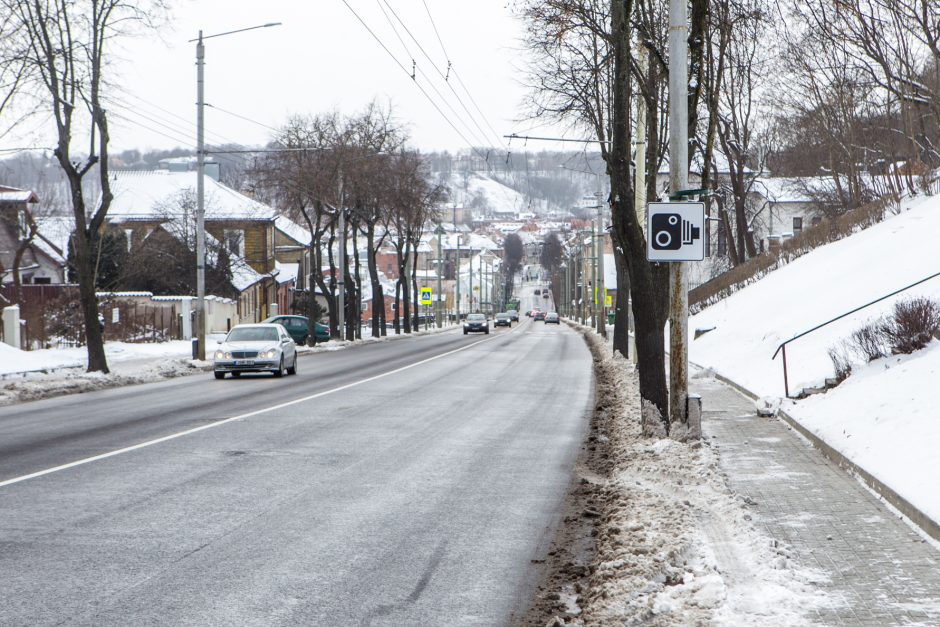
x,y
173,436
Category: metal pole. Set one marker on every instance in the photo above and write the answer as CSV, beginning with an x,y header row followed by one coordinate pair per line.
x,y
341,283
600,323
470,296
678,181
200,201
457,276
438,306
594,288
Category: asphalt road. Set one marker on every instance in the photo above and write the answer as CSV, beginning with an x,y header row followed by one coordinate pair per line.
x,y
401,483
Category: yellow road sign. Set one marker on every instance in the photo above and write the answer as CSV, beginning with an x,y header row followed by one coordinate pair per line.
x,y
426,295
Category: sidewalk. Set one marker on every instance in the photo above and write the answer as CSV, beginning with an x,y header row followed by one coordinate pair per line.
x,y
880,571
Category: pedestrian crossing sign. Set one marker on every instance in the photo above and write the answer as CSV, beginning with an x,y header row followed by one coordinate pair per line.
x,y
425,295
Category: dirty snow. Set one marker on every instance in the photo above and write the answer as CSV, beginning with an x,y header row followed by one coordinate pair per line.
x,y
675,546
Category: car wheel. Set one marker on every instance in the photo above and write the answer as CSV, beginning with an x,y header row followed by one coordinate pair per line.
x,y
280,369
464,331
487,332
293,368
219,375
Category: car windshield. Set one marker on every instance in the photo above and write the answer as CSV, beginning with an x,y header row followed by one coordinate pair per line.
x,y
476,318
502,315
252,334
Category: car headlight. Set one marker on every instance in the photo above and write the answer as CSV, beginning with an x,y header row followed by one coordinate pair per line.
x,y
219,355
269,354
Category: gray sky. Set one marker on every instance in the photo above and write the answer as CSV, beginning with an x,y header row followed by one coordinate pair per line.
x,y
319,59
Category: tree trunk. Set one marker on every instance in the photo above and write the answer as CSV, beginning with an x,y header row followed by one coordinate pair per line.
x,y
378,298
622,306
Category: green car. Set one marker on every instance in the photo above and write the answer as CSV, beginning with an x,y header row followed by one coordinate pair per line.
x,y
297,328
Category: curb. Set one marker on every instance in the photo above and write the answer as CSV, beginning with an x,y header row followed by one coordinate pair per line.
x,y
919,518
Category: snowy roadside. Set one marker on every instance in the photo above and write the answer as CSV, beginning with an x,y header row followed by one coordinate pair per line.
x,y
674,545
34,375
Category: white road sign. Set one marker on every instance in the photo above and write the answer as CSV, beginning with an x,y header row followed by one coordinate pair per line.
x,y
675,231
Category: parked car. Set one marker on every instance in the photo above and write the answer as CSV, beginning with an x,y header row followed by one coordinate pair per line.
x,y
502,320
476,322
256,348
513,315
537,292
552,317
297,328
538,315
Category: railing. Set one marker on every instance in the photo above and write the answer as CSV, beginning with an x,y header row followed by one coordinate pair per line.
x,y
783,346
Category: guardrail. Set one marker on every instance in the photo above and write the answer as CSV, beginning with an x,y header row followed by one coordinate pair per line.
x,y
783,346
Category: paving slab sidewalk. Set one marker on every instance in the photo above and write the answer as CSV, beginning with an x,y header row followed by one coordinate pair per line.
x,y
879,570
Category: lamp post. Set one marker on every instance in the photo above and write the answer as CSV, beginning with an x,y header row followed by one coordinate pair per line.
x,y
201,186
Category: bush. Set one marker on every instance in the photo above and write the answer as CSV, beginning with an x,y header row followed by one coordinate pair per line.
x,y
912,325
841,363
868,342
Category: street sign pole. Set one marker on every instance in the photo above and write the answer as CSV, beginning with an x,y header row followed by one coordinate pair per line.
x,y
678,180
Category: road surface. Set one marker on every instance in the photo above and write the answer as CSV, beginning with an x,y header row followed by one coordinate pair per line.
x,y
406,482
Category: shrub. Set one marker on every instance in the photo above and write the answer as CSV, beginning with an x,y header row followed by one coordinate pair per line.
x,y
912,325
868,342
841,363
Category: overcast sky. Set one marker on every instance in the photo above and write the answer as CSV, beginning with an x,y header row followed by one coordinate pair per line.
x,y
321,58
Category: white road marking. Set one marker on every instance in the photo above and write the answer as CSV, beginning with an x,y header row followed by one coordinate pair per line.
x,y
218,423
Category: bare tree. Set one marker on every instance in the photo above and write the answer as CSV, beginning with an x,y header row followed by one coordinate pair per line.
x,y
64,43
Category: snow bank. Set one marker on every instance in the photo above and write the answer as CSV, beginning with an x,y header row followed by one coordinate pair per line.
x,y
674,545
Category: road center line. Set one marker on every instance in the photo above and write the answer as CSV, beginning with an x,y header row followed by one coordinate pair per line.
x,y
218,423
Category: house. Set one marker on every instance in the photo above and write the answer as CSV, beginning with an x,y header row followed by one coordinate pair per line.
x,y
153,207
22,247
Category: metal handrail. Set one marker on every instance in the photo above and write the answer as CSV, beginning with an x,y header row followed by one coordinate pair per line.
x,y
783,345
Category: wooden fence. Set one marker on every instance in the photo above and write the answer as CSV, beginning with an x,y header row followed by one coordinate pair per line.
x,y
52,317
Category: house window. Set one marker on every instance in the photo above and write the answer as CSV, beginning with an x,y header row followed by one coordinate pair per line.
x,y
797,225
388,269
235,242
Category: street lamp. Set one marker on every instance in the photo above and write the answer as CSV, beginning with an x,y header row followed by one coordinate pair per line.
x,y
438,306
201,185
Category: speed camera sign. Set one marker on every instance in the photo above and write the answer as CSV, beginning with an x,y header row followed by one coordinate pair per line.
x,y
675,231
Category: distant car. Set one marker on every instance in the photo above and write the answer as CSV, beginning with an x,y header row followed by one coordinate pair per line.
x,y
537,292
475,323
513,315
538,315
297,328
503,319
256,348
545,294
552,317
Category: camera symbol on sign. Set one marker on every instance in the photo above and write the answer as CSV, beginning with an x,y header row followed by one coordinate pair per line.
x,y
671,232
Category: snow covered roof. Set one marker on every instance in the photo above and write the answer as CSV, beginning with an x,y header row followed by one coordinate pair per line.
x,y
54,234
14,194
293,230
785,189
146,195
287,272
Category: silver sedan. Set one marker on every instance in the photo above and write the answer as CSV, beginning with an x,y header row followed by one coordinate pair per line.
x,y
256,348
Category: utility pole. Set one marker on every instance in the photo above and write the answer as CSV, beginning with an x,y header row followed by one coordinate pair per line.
x,y
438,304
596,293
639,185
470,288
599,322
457,276
678,182
341,283
200,201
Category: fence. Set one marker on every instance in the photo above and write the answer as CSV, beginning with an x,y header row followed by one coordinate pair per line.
x,y
827,231
52,317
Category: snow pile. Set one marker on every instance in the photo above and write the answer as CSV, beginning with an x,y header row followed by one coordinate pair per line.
x,y
674,545
884,416
57,382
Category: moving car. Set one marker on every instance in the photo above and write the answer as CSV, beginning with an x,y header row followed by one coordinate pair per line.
x,y
537,292
538,315
502,320
297,328
513,315
545,294
256,348
475,323
552,317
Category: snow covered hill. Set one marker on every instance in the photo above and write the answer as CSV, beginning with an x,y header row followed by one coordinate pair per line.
x,y
884,417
